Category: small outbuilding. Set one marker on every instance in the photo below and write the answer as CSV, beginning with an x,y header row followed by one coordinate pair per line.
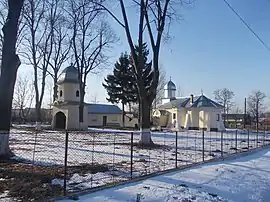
x,y
66,107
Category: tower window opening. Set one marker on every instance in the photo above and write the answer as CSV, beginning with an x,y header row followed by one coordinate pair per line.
x,y
77,93
61,93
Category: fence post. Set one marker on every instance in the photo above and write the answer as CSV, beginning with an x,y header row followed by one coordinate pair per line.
x,y
203,145
131,155
264,135
248,138
221,142
236,141
65,165
257,137
176,148
34,152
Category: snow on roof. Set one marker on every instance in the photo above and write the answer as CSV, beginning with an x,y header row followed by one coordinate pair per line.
x,y
203,101
103,109
198,101
69,74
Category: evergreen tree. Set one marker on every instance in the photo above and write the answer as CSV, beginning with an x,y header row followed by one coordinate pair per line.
x,y
120,85
146,73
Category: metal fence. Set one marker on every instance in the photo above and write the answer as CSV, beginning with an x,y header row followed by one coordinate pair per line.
x,y
86,160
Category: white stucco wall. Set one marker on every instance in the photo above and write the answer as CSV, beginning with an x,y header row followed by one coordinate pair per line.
x,y
210,118
55,110
194,117
181,116
165,100
171,120
96,120
72,117
68,92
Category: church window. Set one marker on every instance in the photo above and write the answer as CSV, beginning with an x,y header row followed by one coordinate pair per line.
x,y
77,93
174,115
218,117
61,93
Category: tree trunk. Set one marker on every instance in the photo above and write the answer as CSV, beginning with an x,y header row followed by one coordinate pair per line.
x,y
224,120
38,112
145,123
55,88
123,114
257,116
81,105
9,67
139,115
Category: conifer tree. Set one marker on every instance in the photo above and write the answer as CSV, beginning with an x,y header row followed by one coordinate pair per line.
x,y
120,85
146,72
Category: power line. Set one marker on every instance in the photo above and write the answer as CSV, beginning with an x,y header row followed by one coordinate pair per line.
x,y
250,29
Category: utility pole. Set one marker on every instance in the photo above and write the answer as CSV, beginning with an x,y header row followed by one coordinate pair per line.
x,y
245,112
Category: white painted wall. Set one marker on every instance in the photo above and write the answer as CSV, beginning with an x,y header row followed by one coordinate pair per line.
x,y
165,100
73,118
181,117
194,116
68,92
210,116
169,93
55,110
96,120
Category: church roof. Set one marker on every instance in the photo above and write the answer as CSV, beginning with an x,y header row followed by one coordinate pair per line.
x,y
176,103
170,86
69,75
199,101
203,101
103,109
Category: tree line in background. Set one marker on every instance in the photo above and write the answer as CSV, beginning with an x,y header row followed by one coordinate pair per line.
x,y
254,106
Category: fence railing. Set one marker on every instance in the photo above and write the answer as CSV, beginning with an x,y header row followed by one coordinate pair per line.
x,y
86,160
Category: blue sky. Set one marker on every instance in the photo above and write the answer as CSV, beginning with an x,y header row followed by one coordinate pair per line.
x,y
210,48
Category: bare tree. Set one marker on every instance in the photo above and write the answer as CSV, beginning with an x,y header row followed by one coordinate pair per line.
x,y
236,110
91,38
38,46
9,65
255,105
154,15
224,97
59,40
160,88
3,14
23,97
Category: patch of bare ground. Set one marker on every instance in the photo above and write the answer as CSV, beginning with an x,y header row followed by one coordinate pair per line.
x,y
27,182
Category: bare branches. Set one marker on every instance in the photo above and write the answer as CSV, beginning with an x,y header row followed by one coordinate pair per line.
x,y
255,104
224,97
91,37
23,96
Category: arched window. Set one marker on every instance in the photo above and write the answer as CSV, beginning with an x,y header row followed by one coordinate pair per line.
x,y
77,93
61,93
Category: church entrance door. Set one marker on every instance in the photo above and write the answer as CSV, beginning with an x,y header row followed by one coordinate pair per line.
x,y
60,120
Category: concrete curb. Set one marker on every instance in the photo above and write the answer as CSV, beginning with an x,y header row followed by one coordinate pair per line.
x,y
182,168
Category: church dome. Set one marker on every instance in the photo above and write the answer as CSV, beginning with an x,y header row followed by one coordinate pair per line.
x,y
170,86
69,75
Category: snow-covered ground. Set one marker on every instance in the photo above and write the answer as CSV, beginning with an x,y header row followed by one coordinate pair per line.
x,y
244,179
113,149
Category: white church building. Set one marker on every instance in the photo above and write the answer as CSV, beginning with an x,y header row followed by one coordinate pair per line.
x,y
65,111
191,113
